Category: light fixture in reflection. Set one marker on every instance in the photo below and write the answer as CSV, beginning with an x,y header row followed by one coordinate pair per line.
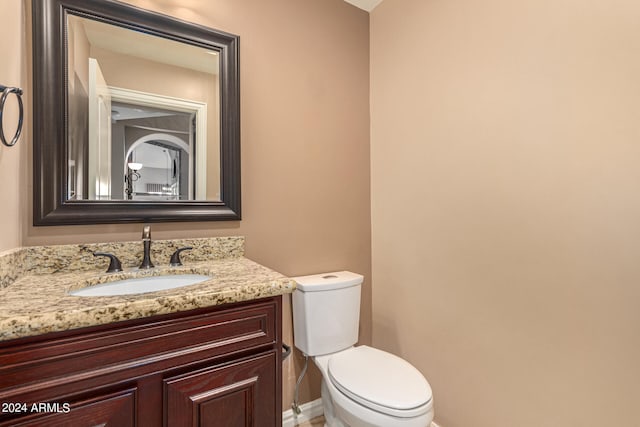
x,y
131,177
134,166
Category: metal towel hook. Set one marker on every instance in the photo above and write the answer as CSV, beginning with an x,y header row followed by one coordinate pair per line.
x,y
6,91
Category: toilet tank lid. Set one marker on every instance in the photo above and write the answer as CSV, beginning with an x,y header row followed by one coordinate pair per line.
x,y
328,281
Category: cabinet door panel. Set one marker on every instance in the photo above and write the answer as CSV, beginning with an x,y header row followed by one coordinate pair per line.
x,y
233,404
114,410
237,394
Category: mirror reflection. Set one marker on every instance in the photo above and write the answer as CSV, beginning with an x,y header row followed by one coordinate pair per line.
x,y
143,116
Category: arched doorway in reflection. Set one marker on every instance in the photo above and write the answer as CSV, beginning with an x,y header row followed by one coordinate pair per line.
x,y
157,168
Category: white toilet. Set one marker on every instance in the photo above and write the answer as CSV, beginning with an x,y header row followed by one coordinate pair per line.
x,y
361,386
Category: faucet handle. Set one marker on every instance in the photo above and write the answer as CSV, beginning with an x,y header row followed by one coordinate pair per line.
x,y
175,258
114,262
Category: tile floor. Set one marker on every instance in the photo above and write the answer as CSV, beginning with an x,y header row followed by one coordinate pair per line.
x,y
319,422
316,422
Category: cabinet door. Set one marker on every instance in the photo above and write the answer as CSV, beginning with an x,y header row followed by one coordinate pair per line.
x,y
114,410
239,394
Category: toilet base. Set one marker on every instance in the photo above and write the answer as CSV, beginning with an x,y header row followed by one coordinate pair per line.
x,y
336,416
330,417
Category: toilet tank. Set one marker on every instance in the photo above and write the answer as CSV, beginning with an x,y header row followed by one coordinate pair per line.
x,y
326,312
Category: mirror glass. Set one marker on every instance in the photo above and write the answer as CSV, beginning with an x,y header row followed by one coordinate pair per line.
x,y
136,116
143,116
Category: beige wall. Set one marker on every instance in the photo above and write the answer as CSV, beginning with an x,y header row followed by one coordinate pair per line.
x,y
506,206
305,143
12,73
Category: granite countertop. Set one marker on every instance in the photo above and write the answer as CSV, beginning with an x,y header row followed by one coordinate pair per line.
x,y
35,304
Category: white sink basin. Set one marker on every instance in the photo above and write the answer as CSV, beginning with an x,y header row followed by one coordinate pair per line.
x,y
140,285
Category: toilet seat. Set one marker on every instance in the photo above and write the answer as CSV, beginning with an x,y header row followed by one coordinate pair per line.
x,y
380,381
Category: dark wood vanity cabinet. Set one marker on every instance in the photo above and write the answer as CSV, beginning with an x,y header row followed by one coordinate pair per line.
x,y
219,366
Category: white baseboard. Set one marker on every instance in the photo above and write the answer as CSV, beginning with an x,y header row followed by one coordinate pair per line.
x,y
310,410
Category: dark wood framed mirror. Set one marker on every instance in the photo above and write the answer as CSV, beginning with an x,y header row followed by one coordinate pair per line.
x,y
136,116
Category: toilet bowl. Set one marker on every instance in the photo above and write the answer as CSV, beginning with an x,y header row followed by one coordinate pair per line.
x,y
366,387
361,386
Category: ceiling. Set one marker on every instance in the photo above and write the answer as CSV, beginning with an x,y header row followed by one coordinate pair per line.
x,y
367,5
141,45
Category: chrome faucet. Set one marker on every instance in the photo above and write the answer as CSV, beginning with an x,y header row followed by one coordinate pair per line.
x,y
146,242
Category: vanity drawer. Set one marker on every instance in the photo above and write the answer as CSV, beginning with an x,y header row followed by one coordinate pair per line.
x,y
109,352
